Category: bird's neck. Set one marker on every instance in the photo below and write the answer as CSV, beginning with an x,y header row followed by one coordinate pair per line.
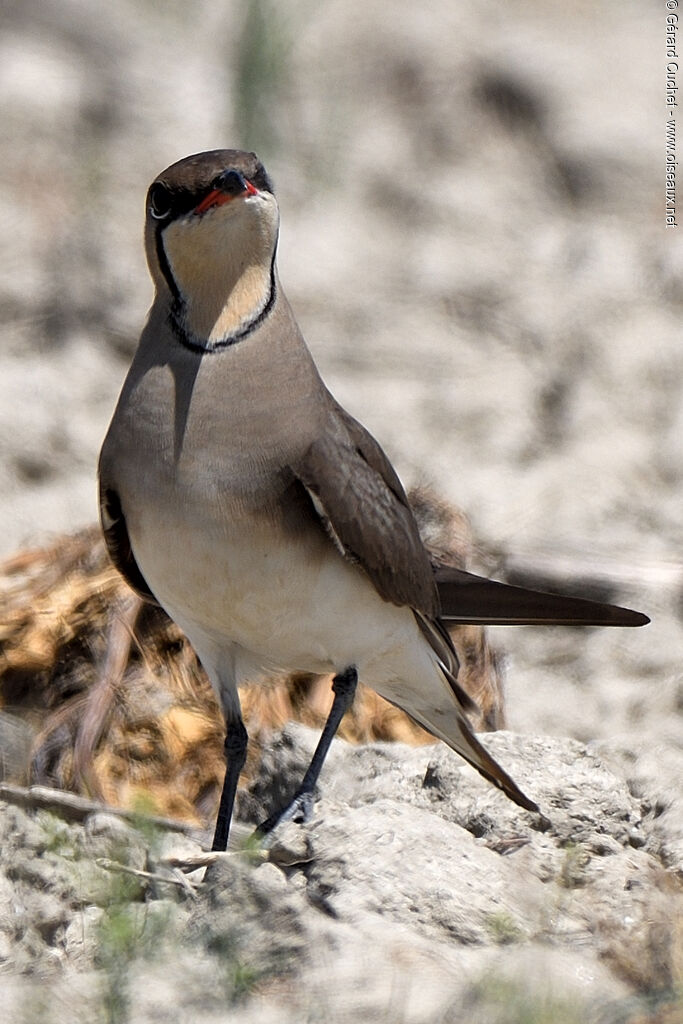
x,y
222,292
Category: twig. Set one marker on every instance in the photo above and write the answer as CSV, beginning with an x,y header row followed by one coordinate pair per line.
x,y
203,860
149,876
77,808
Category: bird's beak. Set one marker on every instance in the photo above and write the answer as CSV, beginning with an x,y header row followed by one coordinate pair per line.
x,y
235,186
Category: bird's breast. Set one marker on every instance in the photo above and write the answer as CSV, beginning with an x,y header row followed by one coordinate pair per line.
x,y
288,598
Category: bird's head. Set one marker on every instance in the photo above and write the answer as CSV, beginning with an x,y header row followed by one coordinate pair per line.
x,y
211,235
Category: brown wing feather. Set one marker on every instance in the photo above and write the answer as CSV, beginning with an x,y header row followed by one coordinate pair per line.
x,y
469,598
361,501
359,497
118,543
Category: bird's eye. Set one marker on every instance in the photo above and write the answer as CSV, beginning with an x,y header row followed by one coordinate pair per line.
x,y
160,201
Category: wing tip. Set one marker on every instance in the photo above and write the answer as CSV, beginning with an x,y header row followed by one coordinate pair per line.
x,y
467,598
514,793
634,618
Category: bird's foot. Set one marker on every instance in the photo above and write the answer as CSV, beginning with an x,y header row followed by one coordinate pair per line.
x,y
299,810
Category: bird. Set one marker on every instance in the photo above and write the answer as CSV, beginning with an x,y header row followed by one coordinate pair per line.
x,y
241,497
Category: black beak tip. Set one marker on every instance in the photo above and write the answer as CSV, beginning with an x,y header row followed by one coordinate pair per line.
x,y
231,182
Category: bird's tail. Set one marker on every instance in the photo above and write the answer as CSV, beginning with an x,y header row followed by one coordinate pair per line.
x,y
457,734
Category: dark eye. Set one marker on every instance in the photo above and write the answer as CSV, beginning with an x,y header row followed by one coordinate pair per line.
x,y
160,201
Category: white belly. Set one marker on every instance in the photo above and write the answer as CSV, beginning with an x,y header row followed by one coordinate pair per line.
x,y
253,602
292,605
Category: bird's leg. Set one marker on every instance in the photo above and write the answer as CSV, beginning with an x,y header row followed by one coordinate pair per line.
x,y
301,806
236,740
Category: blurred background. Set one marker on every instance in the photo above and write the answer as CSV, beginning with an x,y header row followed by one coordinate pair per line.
x,y
473,240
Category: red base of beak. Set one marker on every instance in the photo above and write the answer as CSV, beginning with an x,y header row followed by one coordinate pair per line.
x,y
217,198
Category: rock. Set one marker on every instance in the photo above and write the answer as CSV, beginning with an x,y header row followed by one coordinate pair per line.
x,y
652,771
109,836
81,938
415,886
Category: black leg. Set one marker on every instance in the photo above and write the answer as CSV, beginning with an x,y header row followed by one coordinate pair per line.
x,y
301,806
236,740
